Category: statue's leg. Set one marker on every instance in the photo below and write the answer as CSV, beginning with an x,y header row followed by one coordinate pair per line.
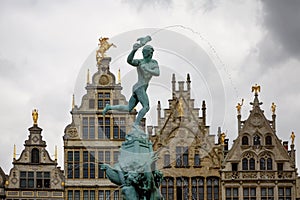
x,y
133,101
144,100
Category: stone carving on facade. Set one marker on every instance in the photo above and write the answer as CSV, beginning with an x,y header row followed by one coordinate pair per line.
x,y
267,175
72,132
249,175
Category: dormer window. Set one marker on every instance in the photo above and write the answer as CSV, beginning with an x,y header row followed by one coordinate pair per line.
x,y
35,156
245,140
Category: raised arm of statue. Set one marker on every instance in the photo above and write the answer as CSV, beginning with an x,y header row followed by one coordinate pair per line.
x,y
130,60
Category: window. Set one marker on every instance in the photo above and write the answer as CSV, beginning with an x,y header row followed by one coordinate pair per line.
x,y
285,193
167,188
103,99
43,179
245,164
245,140
256,140
88,164
182,157
167,160
279,166
198,188
182,186
269,164
116,195
268,140
77,195
70,194
26,179
232,193
103,157
88,194
234,167
35,156
212,188
119,129
262,164
104,194
252,164
197,160
88,128
249,193
267,193
104,128
34,179
73,164
116,156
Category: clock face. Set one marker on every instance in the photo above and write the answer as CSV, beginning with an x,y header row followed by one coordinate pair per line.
x,y
104,80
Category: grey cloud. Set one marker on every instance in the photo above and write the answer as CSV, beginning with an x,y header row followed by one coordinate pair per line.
x,y
281,20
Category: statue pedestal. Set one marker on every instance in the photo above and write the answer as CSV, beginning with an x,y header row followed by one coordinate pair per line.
x,y
135,170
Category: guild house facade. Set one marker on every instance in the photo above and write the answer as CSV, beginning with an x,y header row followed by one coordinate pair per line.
x,y
258,166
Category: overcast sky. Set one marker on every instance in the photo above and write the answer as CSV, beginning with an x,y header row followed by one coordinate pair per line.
x,y
45,45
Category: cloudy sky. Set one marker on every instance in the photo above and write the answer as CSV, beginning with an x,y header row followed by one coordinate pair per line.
x,y
45,45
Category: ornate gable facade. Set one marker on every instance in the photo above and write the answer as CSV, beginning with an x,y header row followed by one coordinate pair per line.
x,y
259,164
35,175
189,158
92,139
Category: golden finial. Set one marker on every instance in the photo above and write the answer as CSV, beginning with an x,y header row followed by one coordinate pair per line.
x,y
180,109
273,108
256,89
73,101
222,137
119,76
239,106
35,116
15,152
293,137
55,153
88,77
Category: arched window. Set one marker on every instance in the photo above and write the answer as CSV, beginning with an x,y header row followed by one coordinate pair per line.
x,y
252,164
245,140
35,155
256,140
245,164
268,140
269,164
262,164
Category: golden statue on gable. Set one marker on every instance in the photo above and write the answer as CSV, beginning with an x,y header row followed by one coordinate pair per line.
x,y
104,45
273,108
180,108
293,137
256,88
239,106
35,116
